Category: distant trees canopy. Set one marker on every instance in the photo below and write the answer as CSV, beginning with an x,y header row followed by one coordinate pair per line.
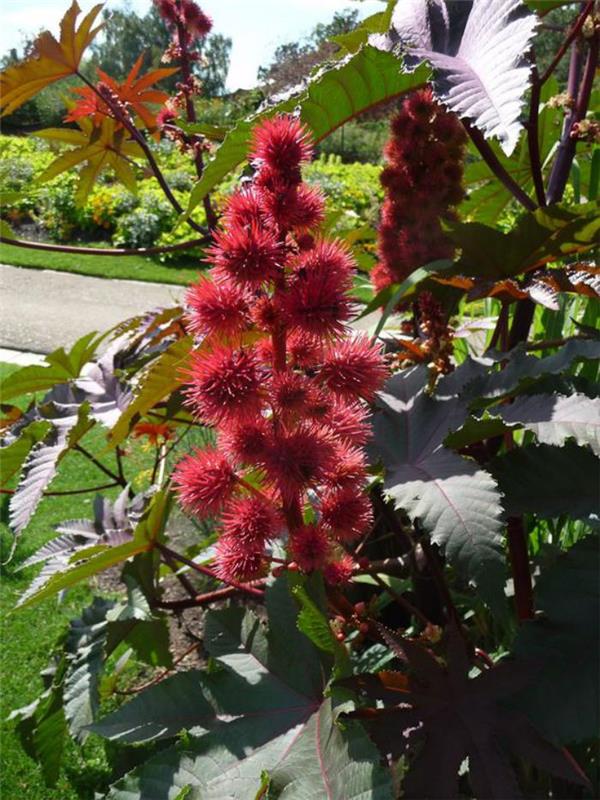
x,y
125,35
294,61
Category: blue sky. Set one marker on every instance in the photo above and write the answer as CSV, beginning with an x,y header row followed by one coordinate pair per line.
x,y
255,26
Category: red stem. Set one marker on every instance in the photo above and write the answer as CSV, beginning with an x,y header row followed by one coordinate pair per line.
x,y
533,141
496,167
104,251
188,81
246,588
573,33
519,559
206,598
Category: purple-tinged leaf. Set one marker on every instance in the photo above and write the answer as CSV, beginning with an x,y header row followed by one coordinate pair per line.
x,y
41,465
261,718
549,481
565,640
442,699
453,499
556,418
479,64
113,525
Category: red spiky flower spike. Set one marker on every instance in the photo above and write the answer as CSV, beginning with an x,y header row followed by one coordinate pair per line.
x,y
423,185
279,376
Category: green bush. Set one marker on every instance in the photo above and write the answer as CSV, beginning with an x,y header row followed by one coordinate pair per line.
x,y
146,219
357,141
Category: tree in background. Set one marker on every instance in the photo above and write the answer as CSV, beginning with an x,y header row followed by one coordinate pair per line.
x,y
127,34
293,61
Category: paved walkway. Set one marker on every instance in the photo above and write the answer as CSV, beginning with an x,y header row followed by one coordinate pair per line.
x,y
41,310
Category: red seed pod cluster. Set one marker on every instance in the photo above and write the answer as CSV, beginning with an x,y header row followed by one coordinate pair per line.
x,y
187,14
434,329
279,376
423,184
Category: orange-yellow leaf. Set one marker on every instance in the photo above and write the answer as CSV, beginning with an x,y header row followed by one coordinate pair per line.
x,y
134,93
52,61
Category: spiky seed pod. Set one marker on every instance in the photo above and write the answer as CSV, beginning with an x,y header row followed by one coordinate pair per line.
x,y
279,375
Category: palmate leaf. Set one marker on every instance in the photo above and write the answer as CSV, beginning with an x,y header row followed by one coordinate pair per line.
x,y
13,455
90,561
565,643
42,463
548,480
477,49
486,196
540,236
52,59
556,418
84,649
331,97
480,385
42,726
134,92
61,367
113,525
97,149
262,719
453,499
162,377
441,717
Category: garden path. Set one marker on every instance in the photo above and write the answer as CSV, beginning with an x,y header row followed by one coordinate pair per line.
x,y
41,310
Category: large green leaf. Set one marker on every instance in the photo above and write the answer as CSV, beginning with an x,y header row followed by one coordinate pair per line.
x,y
162,377
333,96
564,642
281,733
41,725
548,480
160,712
540,236
453,499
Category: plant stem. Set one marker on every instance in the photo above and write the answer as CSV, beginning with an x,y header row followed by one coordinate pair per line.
x,y
188,81
183,579
67,492
402,601
119,480
501,327
162,675
143,144
104,251
247,588
566,148
205,599
519,559
533,140
496,167
573,33
437,572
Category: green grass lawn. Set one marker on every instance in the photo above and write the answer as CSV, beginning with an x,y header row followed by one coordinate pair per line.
x,y
28,635
126,267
